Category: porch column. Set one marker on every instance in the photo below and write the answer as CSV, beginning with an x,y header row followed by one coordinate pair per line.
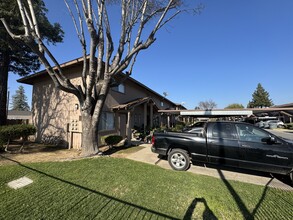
x,y
145,116
128,127
151,115
168,121
118,123
160,120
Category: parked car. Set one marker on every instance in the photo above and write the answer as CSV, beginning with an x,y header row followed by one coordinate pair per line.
x,y
275,123
270,124
229,143
260,124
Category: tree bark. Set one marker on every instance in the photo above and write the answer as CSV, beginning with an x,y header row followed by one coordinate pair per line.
x,y
4,66
89,135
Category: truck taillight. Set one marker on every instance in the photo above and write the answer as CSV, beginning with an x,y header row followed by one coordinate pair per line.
x,y
153,140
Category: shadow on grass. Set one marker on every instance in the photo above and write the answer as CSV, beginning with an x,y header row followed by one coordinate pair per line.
x,y
31,147
124,149
248,215
131,211
242,207
282,178
207,214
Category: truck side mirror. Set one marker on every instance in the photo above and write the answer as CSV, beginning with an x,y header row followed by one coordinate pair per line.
x,y
269,140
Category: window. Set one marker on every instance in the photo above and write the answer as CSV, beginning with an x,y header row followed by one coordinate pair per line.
x,y
162,104
250,133
107,121
120,88
223,130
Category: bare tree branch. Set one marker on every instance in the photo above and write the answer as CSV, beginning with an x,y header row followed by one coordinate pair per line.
x,y
81,37
120,50
9,31
110,44
103,63
34,21
24,20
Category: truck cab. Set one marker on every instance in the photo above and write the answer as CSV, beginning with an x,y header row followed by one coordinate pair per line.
x,y
234,144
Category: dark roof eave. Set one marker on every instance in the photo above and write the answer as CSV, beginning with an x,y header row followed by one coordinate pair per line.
x,y
29,79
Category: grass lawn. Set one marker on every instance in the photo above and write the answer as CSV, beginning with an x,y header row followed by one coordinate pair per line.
x,y
115,188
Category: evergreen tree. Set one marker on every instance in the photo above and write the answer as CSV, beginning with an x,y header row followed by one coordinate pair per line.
x,y
15,57
260,98
19,100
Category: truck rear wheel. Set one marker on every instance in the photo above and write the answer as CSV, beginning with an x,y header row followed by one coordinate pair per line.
x,y
179,159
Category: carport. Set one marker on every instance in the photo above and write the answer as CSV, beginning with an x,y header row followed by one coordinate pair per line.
x,y
190,115
217,113
284,113
220,113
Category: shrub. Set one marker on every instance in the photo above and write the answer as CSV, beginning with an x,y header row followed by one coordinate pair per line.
x,y
180,123
113,139
289,126
178,128
12,132
160,129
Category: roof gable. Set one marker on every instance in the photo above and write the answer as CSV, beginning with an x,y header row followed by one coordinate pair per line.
x,y
33,78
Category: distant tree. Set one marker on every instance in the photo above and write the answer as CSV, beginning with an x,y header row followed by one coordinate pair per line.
x,y
234,105
19,100
260,98
16,57
204,105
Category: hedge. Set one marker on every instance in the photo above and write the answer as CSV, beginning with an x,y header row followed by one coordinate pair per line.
x,y
12,132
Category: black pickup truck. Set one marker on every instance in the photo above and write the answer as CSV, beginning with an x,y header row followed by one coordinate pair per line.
x,y
228,143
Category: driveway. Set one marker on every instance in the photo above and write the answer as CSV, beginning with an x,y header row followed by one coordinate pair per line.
x,y
288,134
145,155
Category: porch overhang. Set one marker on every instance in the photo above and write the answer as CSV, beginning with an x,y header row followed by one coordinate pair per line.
x,y
134,103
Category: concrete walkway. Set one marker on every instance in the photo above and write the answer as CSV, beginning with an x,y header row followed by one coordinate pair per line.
x,y
145,155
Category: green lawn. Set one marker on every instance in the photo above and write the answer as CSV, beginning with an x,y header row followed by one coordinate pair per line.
x,y
113,188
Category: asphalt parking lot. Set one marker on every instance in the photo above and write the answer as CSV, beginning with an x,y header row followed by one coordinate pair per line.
x,y
259,178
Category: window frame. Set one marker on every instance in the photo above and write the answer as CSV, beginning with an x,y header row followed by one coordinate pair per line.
x,y
233,136
119,88
104,124
253,133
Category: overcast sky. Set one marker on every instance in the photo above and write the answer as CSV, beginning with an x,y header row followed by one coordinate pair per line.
x,y
220,55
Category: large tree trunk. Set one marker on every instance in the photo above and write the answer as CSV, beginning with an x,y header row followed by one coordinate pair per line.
x,y
90,122
96,75
4,65
89,135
